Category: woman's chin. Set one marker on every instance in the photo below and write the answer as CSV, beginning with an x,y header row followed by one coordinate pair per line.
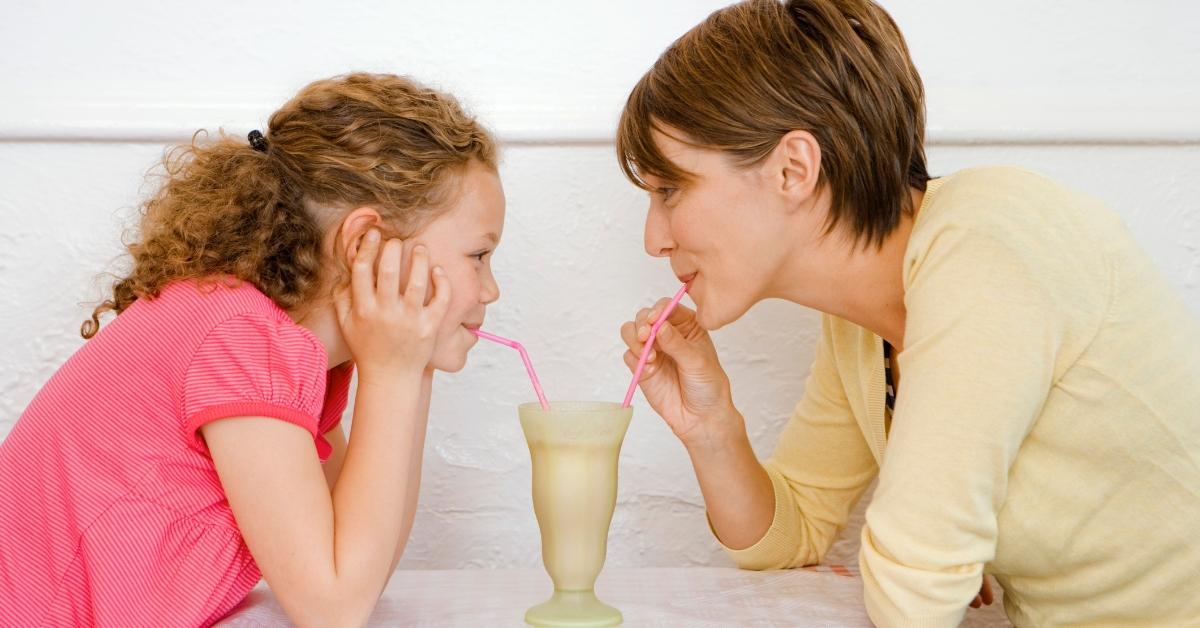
x,y
706,317
713,318
705,322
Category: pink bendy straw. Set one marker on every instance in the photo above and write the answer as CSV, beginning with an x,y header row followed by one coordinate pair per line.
x,y
537,387
637,373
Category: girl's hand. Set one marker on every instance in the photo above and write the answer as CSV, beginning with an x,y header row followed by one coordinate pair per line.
x,y
683,379
390,333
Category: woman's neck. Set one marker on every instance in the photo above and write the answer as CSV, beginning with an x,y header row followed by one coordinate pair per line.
x,y
862,285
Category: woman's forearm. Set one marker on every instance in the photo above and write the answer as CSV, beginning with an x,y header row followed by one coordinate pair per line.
x,y
736,488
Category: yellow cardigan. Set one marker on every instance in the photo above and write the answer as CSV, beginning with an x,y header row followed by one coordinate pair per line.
x,y
1046,430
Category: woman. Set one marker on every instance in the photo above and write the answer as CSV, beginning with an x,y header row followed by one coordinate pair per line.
x,y
995,348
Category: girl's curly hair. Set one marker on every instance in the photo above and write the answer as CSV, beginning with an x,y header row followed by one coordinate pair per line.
x,y
258,215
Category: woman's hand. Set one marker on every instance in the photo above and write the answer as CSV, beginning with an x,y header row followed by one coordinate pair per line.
x,y
390,332
985,596
683,379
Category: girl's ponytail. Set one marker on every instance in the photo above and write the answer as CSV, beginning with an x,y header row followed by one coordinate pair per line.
x,y
256,209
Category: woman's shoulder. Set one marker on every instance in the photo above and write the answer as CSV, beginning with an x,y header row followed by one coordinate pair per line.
x,y
1007,198
991,231
989,196
1021,208
995,177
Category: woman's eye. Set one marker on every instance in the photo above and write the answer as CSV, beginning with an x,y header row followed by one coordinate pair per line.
x,y
665,192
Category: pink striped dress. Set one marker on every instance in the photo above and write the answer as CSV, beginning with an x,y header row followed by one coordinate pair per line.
x,y
111,512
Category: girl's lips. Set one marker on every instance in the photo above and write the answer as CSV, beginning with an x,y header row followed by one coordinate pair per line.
x,y
686,278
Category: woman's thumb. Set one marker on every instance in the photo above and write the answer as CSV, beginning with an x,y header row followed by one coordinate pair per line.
x,y
673,343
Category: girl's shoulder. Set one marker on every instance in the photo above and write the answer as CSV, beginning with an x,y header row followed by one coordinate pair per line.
x,y
188,315
213,300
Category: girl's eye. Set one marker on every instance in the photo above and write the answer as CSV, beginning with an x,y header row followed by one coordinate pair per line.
x,y
480,255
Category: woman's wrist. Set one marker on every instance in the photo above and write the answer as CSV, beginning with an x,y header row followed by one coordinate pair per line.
x,y
717,435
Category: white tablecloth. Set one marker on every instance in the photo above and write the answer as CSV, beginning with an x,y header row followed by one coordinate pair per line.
x,y
687,597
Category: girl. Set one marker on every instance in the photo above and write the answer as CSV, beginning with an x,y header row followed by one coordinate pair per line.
x,y
995,349
194,444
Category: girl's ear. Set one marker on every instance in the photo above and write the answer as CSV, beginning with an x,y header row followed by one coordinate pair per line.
x,y
354,226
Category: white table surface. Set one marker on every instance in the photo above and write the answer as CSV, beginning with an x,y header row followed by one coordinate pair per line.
x,y
685,597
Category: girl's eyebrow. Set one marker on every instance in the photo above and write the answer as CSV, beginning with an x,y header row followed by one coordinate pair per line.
x,y
491,235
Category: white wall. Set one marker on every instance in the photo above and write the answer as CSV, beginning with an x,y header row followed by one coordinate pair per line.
x,y
1104,95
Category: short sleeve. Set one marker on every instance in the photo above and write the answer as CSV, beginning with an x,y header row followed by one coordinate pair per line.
x,y
337,393
254,365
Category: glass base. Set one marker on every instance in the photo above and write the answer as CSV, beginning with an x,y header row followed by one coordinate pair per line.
x,y
576,609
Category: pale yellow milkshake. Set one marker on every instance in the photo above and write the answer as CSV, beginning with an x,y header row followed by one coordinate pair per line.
x,y
574,447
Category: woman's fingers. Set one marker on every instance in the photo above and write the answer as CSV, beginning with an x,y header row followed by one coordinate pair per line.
x,y
631,360
642,323
635,337
985,593
629,335
984,597
681,314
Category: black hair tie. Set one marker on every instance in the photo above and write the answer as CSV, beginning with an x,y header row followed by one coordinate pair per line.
x,y
257,141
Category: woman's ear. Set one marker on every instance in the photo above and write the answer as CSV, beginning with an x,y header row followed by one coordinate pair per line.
x,y
799,161
354,226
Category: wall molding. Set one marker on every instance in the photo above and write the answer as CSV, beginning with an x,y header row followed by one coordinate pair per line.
x,y
951,123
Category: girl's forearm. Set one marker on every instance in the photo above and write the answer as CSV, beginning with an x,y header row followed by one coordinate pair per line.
x,y
372,501
414,474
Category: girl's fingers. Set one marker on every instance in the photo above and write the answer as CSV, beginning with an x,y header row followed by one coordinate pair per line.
x,y
387,284
362,276
441,293
341,302
418,279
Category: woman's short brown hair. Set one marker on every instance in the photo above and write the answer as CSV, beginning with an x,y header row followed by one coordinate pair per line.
x,y
756,70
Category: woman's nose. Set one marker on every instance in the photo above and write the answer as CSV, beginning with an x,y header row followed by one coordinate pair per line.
x,y
658,233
